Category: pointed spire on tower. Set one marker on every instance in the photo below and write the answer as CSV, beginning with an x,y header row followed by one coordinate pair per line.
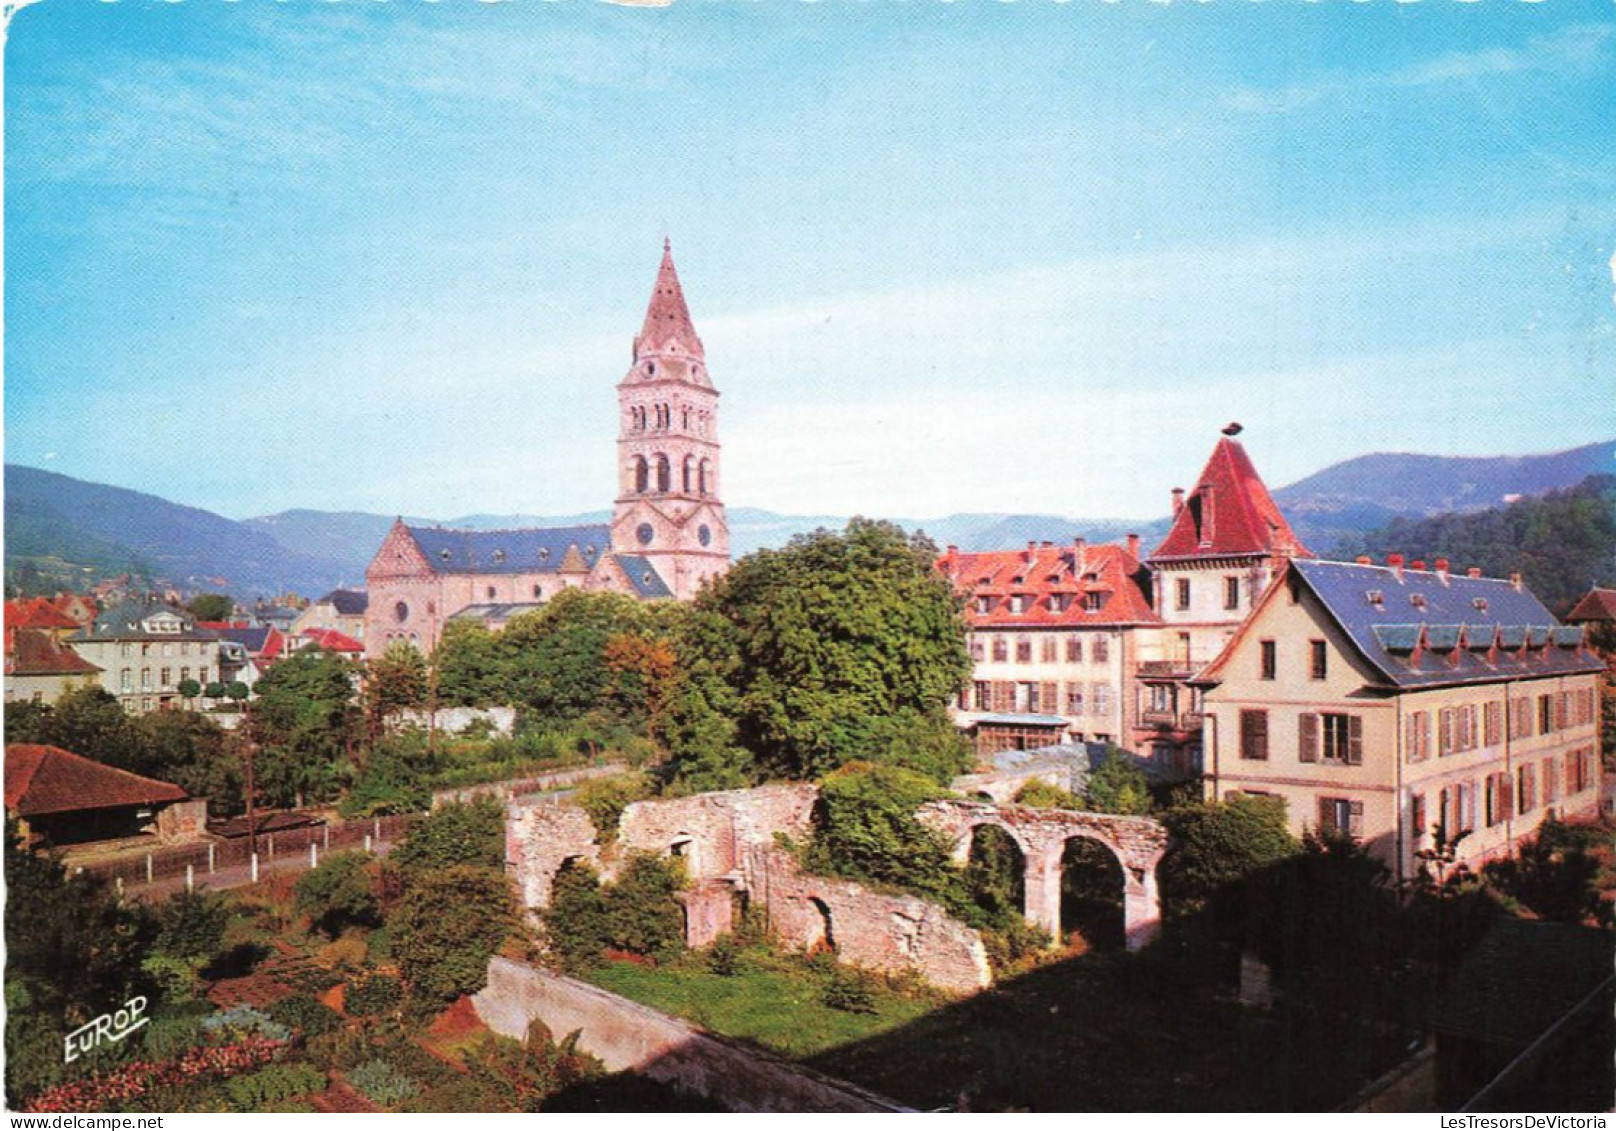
x,y
667,318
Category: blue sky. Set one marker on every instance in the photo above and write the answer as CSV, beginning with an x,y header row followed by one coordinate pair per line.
x,y
945,257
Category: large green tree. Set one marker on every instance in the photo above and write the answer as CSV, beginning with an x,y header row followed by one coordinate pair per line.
x,y
211,606
394,681
840,647
304,723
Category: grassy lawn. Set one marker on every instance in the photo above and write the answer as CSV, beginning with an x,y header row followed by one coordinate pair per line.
x,y
771,999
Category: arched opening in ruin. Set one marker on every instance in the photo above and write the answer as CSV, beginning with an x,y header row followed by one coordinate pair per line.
x,y
1092,884
683,847
996,871
821,935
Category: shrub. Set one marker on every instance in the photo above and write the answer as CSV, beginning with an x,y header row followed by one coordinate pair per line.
x,y
604,799
1041,794
1014,945
372,995
577,925
448,925
865,829
724,957
471,832
1117,785
171,1033
240,1022
173,978
1216,844
305,1014
849,991
339,893
645,916
382,1083
256,1091
192,925
347,953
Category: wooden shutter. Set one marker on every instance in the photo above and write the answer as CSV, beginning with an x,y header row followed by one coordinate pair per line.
x,y
1355,819
1308,750
1506,796
1049,696
1354,740
1326,813
1254,735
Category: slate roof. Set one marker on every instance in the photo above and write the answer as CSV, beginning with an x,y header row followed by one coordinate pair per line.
x,y
497,612
30,651
123,622
536,550
1047,576
1521,978
1596,604
1004,720
643,576
263,641
1421,628
347,602
48,779
1229,513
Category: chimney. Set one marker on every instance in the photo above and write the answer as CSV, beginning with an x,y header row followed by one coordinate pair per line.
x,y
1178,500
1417,563
1079,556
1133,546
1364,559
1473,571
953,551
1394,562
1045,545
1515,582
1442,570
1032,552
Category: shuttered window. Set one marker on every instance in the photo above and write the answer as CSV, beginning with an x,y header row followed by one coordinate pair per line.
x,y
1254,735
1341,815
1308,732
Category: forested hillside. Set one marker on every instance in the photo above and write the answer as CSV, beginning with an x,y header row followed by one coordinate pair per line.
x,y
1561,543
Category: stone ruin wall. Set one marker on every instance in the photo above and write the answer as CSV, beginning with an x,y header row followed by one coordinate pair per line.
x,y
888,933
711,830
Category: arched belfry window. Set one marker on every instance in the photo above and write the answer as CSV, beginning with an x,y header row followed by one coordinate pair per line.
x,y
664,473
684,419
690,468
642,475
702,478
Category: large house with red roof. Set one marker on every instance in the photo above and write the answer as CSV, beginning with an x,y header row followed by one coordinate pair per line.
x,y
1054,637
668,534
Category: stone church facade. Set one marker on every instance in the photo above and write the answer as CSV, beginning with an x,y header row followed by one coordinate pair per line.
x,y
668,534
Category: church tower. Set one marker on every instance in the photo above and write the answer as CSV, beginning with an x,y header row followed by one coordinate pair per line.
x,y
668,510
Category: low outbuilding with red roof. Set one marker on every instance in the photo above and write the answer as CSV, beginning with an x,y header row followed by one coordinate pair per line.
x,y
65,799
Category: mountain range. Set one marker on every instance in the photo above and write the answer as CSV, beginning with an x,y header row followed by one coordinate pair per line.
x,y
66,532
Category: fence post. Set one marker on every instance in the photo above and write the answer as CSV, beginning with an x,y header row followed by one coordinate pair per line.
x,y
367,842
314,858
210,859
117,882
255,867
327,845
148,868
376,827
272,848
190,878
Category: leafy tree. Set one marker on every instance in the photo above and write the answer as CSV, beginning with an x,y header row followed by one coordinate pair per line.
x,y
394,681
71,951
192,751
216,690
462,833
1564,873
190,688
448,925
556,657
840,647
604,799
1217,844
644,915
577,923
1117,785
211,606
470,666
339,893
396,778
303,722
995,874
86,721
865,828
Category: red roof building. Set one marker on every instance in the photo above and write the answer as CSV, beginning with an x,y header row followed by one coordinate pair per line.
x,y
64,798
1052,633
1596,605
331,640
39,667
1229,514
39,613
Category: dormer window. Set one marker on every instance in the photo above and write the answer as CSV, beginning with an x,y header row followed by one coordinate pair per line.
x,y
445,554
499,556
1479,604
1375,597
544,553
1018,603
1417,600
984,604
1093,602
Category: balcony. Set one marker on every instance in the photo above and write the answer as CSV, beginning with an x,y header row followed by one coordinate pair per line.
x,y
1167,669
1172,720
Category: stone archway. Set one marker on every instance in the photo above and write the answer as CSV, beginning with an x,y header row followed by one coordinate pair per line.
x,y
1137,842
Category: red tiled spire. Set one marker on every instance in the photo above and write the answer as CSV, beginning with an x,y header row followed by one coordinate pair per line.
x,y
1230,512
667,318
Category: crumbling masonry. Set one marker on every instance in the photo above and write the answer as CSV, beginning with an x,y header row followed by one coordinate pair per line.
x,y
728,843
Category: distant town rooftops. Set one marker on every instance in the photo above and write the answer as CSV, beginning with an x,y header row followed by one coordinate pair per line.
x,y
1049,585
30,651
347,602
